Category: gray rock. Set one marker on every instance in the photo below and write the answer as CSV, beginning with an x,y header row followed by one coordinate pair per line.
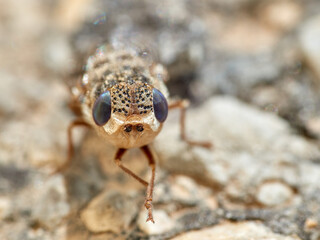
x,y
251,147
50,205
309,38
237,75
274,193
18,138
234,231
109,211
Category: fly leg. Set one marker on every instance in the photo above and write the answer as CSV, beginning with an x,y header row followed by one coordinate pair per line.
x,y
148,199
182,105
117,160
66,164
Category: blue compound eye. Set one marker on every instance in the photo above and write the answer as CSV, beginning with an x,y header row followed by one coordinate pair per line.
x,y
160,105
101,111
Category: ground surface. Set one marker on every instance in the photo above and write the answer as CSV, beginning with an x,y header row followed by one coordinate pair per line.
x,y
252,72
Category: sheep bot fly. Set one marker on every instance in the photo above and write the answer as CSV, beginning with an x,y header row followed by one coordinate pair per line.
x,y
124,98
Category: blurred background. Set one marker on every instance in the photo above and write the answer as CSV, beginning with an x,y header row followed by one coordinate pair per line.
x,y
251,69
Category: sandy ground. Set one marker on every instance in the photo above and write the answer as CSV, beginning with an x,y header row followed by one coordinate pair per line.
x,y
251,71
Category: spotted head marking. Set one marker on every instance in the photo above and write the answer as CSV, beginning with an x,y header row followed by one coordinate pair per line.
x,y
128,99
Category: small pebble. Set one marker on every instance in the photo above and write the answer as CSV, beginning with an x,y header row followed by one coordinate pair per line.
x,y
310,224
274,193
163,222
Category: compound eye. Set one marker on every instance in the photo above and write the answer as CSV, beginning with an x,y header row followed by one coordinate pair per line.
x,y
101,111
160,105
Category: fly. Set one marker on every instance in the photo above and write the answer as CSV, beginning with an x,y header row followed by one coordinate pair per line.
x,y
125,100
